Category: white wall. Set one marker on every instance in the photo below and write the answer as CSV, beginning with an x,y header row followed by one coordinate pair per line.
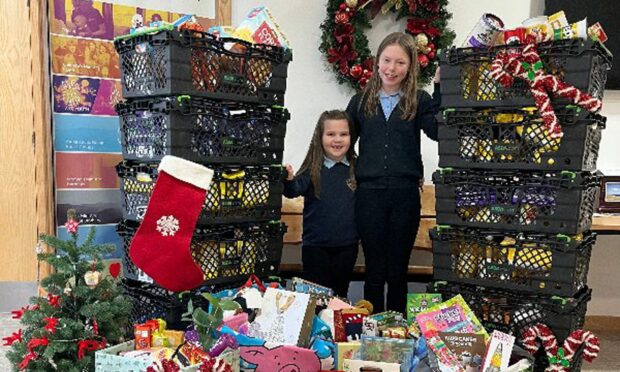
x,y
313,89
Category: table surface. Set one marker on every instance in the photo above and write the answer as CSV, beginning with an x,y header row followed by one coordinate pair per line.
x,y
602,222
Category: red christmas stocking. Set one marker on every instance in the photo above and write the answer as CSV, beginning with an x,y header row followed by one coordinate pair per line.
x,y
161,246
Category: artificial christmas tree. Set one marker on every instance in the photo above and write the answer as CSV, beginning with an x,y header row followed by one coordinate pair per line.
x,y
82,312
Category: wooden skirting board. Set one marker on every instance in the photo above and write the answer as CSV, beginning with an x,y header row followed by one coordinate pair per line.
x,y
599,323
292,215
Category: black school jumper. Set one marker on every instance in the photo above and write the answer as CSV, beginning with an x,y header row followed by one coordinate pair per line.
x,y
330,242
388,171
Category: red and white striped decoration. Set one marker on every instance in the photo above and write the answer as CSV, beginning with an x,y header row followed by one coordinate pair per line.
x,y
539,334
508,64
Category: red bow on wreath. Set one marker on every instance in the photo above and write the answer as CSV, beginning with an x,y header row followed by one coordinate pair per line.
x,y
423,25
560,358
342,56
430,5
15,337
528,66
344,33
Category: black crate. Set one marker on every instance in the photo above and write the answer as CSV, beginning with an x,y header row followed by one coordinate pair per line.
x,y
226,253
512,312
151,301
236,193
515,138
466,73
197,63
536,263
202,130
549,202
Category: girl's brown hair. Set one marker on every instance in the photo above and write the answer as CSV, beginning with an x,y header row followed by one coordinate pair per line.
x,y
409,87
316,154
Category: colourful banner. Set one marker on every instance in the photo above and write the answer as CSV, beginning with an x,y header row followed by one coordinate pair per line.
x,y
76,133
86,170
77,95
91,206
84,57
86,87
106,20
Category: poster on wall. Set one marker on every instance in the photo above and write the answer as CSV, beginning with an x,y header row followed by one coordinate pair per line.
x,y
86,87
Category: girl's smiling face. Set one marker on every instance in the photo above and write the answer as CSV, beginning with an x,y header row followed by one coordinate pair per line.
x,y
393,67
336,139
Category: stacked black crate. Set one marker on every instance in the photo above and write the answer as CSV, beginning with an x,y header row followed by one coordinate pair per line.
x,y
514,206
217,102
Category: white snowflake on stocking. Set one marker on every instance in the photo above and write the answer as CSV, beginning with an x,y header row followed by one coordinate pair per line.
x,y
167,225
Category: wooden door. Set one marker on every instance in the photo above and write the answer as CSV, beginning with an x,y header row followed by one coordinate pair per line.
x,y
25,143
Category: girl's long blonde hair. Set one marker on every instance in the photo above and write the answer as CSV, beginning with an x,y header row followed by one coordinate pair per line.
x,y
316,154
409,87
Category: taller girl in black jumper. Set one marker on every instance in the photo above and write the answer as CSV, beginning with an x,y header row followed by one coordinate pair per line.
x,y
388,116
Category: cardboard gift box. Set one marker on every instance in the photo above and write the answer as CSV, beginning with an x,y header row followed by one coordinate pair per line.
x,y
260,27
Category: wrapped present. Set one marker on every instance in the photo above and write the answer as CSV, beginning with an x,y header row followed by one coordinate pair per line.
x,y
389,350
306,286
348,324
285,318
346,350
260,27
374,324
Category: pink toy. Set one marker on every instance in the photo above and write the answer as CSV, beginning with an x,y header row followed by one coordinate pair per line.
x,y
281,359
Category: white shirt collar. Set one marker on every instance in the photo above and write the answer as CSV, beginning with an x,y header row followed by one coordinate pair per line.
x,y
328,163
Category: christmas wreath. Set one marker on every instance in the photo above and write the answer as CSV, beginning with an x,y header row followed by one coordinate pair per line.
x,y
345,45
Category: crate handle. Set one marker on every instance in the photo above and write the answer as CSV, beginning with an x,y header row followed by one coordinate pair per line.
x,y
448,110
564,238
445,170
234,175
563,300
443,227
146,31
569,174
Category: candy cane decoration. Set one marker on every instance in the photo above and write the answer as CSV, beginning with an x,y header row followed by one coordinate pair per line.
x,y
561,358
546,336
528,66
575,339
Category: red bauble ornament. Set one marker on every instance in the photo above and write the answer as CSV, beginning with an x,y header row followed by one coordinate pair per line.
x,y
342,6
363,82
423,60
367,74
356,71
431,55
341,18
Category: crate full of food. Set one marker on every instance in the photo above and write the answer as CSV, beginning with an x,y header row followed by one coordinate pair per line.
x,y
236,193
558,202
202,130
515,138
528,262
172,62
467,81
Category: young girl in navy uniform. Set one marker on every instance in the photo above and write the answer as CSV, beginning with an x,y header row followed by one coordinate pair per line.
x,y
327,183
389,116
